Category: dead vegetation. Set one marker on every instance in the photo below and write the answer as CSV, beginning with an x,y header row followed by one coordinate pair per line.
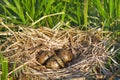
x,y
88,47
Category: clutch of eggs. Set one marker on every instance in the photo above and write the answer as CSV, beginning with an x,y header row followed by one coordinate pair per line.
x,y
54,60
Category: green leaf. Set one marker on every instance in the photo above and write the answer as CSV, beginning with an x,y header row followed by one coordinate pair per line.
x,y
85,12
117,8
78,12
100,8
64,10
72,19
111,8
4,69
33,8
19,9
48,6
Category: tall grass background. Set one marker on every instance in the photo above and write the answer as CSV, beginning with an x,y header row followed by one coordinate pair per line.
x,y
77,12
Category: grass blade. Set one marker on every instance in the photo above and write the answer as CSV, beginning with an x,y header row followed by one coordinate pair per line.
x,y
111,8
64,10
72,19
19,9
48,6
100,8
4,69
33,8
85,12
117,8
16,9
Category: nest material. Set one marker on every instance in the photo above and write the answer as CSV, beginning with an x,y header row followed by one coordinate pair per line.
x,y
88,48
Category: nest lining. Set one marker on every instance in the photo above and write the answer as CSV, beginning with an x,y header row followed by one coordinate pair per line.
x,y
88,48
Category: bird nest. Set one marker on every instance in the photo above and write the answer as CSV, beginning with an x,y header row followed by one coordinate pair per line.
x,y
85,49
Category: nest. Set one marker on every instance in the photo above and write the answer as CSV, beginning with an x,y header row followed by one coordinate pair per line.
x,y
88,49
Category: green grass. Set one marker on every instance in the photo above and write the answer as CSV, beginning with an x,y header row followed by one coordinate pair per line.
x,y
76,12
4,68
85,12
28,11
109,13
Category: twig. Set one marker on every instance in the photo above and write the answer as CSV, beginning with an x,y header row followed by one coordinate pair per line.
x,y
46,17
9,29
20,67
5,34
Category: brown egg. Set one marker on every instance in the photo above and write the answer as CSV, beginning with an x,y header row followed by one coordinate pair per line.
x,y
59,61
65,55
43,56
52,64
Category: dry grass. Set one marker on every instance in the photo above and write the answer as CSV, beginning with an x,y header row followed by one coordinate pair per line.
x,y
88,47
